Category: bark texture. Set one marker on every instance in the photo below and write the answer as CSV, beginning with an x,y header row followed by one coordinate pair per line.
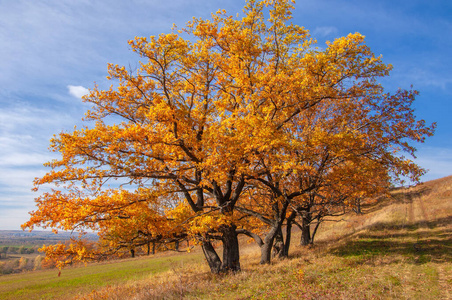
x,y
305,228
212,258
231,254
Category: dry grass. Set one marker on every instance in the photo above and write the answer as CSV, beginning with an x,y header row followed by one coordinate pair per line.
x,y
401,248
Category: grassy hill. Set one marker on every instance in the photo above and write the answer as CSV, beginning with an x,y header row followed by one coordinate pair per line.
x,y
400,248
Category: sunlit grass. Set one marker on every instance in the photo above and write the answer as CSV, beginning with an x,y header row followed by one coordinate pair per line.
x,y
47,285
399,249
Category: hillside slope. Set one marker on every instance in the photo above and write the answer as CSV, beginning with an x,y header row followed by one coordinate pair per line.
x,y
399,248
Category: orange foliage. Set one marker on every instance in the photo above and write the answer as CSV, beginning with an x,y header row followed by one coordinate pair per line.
x,y
219,112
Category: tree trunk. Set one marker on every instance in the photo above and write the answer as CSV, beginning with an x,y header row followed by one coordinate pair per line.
x,y
271,235
212,258
153,247
358,206
132,252
176,245
315,229
149,248
231,254
266,253
306,228
290,220
278,246
266,248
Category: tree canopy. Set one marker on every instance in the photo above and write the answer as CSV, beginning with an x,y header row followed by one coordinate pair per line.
x,y
228,126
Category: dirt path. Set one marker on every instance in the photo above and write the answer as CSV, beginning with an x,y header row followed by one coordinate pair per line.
x,y
422,207
410,207
417,214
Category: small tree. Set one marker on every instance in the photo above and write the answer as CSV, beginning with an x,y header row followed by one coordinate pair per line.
x,y
23,262
37,263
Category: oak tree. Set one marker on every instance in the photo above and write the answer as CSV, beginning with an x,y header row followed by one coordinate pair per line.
x,y
216,113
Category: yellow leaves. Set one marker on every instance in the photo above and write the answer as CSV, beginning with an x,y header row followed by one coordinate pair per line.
x,y
200,223
67,254
203,224
300,274
350,56
180,213
220,107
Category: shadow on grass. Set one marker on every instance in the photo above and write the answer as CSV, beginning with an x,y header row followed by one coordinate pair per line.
x,y
397,227
419,243
400,195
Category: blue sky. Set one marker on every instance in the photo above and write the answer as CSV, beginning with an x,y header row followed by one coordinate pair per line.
x,y
52,51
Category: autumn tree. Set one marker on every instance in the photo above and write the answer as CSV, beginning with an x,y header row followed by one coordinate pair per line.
x,y
218,111
360,151
346,146
188,114
346,149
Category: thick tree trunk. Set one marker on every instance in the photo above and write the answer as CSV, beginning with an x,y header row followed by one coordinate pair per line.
x,y
132,253
306,228
305,235
266,247
266,253
231,254
271,235
149,248
212,258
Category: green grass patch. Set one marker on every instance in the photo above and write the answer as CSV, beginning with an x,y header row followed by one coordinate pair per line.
x,y
47,285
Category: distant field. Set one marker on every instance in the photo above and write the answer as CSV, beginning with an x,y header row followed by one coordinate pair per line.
x,y
400,248
18,256
17,238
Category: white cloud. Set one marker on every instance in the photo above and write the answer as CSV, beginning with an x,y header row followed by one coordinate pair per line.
x,y
24,159
17,181
77,91
424,76
324,31
24,135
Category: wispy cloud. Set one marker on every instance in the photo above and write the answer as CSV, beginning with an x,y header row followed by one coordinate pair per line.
x,y
24,159
12,217
47,46
324,31
53,43
24,135
437,160
423,77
